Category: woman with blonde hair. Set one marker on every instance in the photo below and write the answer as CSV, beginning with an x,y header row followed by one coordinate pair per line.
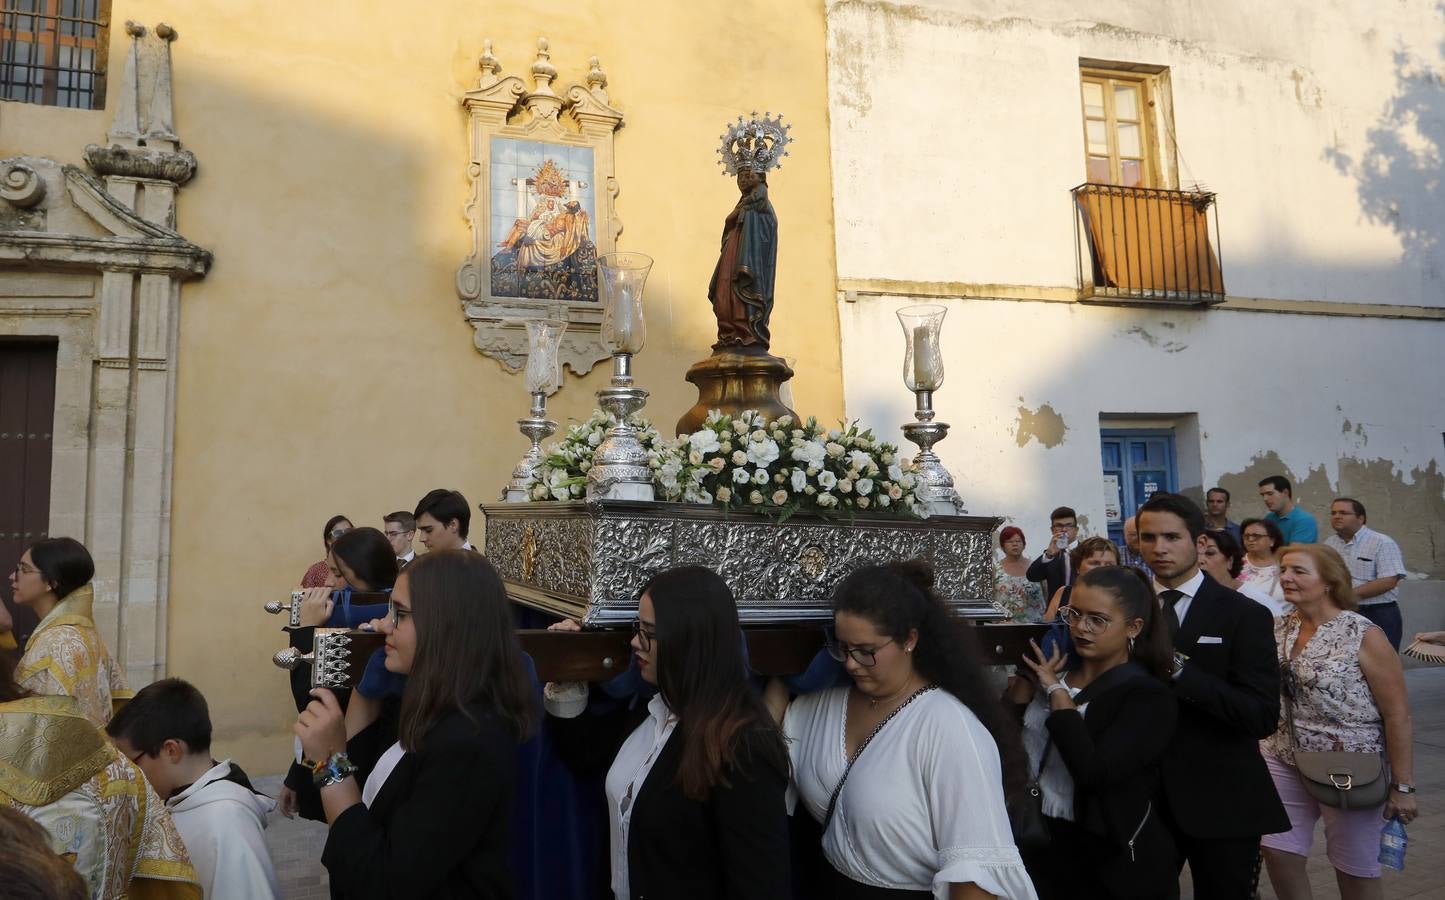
x,y
1343,690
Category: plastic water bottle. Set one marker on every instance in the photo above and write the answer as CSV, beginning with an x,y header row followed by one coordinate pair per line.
x,y
1392,845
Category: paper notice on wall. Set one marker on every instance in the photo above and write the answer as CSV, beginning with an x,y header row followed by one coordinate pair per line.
x,y
1113,500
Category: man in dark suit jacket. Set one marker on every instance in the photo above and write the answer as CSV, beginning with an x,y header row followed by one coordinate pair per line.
x,y
1052,567
1218,795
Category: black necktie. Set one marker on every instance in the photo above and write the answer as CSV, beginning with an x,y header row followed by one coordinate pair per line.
x,y
1171,599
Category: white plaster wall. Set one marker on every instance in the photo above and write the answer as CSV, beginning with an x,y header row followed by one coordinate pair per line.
x,y
1258,382
956,136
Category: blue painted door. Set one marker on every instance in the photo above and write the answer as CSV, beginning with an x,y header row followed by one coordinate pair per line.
x,y
1137,463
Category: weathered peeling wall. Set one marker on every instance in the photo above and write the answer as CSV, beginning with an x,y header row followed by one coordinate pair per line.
x,y
1027,383
957,136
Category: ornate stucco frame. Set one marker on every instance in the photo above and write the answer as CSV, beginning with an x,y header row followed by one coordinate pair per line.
x,y
581,116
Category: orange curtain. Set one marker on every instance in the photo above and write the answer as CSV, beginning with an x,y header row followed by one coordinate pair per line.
x,y
1150,242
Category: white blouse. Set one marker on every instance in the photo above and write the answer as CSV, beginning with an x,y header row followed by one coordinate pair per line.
x,y
629,770
923,807
1055,782
380,772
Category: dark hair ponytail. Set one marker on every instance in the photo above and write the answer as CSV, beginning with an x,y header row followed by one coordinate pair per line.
x,y
1133,592
64,563
897,598
368,554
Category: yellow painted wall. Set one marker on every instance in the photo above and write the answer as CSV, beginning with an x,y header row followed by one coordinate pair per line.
x,y
325,365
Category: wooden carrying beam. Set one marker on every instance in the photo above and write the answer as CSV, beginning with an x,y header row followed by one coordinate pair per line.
x,y
600,655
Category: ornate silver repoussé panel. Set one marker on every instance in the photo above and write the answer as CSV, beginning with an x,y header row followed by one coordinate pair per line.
x,y
587,560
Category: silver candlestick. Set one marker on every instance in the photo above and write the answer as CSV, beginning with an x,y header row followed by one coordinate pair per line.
x,y
536,427
544,375
923,374
620,469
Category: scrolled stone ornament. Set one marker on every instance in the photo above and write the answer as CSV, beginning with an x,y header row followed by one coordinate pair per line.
x,y
20,185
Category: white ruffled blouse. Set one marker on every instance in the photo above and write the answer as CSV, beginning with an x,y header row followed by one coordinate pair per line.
x,y
924,805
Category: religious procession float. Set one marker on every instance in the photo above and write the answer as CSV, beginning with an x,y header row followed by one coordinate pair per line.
x,y
782,506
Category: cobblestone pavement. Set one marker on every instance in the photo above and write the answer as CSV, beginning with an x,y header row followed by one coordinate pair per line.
x,y
296,844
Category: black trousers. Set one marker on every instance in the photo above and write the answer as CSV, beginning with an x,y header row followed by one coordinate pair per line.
x,y
1222,868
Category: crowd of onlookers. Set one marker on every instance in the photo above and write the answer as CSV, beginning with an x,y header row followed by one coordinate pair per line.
x,y
1201,695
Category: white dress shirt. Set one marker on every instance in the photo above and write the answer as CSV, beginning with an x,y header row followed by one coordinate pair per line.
x,y
1370,555
380,772
1188,589
629,770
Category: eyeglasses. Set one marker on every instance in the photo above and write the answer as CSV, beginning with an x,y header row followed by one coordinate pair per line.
x,y
1091,623
395,534
866,658
1251,538
644,633
22,569
397,614
338,532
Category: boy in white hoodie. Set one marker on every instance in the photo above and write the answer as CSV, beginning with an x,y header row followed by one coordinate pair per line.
x,y
166,731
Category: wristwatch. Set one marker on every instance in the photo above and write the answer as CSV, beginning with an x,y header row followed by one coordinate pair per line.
x,y
1401,787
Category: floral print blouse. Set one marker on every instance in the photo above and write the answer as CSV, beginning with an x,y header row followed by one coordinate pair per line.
x,y
1022,600
1333,706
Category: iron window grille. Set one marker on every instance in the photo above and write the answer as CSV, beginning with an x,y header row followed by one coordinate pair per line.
x,y
54,52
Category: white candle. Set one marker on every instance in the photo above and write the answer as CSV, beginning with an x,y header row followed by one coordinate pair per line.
x,y
925,359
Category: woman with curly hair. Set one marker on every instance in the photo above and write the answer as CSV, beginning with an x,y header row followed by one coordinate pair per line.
x,y
907,767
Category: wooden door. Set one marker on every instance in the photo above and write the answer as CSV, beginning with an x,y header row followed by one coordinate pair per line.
x,y
27,415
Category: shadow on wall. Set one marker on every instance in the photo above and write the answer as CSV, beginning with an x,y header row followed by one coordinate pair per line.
x,y
1391,496
1401,174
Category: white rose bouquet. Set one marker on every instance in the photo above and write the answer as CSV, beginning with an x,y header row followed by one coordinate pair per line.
x,y
562,474
781,466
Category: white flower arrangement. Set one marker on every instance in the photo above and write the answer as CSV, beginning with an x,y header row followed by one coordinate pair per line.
x,y
562,474
748,462
780,467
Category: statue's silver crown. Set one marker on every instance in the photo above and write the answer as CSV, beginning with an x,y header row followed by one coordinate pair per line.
x,y
756,144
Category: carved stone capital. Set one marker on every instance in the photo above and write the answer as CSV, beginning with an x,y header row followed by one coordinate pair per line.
x,y
175,166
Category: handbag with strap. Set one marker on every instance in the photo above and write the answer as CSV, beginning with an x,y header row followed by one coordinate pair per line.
x,y
1344,780
1026,812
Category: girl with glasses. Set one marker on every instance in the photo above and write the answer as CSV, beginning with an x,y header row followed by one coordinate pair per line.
x,y
65,654
360,559
906,767
696,782
431,816
1095,736
334,528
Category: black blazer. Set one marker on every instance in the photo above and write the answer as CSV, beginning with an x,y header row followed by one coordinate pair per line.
x,y
731,846
1049,571
1113,754
439,826
1214,777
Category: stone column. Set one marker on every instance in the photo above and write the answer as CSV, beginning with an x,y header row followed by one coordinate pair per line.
x,y
110,424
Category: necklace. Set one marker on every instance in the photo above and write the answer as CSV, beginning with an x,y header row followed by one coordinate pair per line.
x,y
874,701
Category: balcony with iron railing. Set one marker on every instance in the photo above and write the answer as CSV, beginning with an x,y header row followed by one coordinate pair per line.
x,y
1146,245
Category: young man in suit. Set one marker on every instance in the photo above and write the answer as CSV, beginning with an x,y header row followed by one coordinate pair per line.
x,y
1219,798
400,526
1052,568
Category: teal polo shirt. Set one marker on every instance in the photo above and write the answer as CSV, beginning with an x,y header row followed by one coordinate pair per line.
x,y
1299,527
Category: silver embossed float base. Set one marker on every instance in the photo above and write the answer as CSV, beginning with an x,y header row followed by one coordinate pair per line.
x,y
588,559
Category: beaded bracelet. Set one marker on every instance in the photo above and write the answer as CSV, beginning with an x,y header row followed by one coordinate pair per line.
x,y
336,769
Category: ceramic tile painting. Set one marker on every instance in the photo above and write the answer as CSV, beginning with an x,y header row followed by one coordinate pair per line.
x,y
542,212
